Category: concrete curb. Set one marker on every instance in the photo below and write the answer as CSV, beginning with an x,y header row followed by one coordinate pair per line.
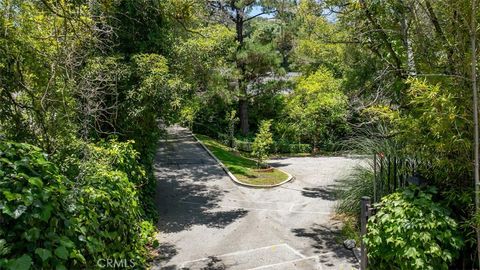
x,y
234,179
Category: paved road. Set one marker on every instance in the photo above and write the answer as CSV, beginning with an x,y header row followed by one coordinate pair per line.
x,y
208,222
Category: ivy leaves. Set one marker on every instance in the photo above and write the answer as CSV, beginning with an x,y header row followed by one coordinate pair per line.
x,y
43,226
22,263
33,218
43,253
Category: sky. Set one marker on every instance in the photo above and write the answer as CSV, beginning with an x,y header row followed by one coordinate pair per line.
x,y
258,9
331,16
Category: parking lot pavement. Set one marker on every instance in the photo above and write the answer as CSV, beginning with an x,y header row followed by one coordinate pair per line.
x,y
208,222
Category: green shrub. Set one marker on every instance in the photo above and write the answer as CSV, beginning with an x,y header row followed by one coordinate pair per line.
x,y
262,143
410,231
109,217
51,222
243,146
300,148
231,118
277,147
223,138
34,219
122,156
287,147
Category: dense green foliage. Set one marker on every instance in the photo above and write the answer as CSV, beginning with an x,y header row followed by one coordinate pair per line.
x,y
71,85
318,109
407,71
411,231
109,211
35,219
54,222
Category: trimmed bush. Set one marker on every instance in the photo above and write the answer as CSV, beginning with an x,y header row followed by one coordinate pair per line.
x,y
243,146
410,231
277,147
286,147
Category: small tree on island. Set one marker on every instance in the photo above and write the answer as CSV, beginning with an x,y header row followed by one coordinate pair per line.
x,y
262,143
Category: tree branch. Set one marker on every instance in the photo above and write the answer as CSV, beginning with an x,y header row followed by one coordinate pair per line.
x,y
384,37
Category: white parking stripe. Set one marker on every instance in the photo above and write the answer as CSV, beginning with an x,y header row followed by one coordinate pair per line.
x,y
263,209
265,202
319,266
233,253
295,251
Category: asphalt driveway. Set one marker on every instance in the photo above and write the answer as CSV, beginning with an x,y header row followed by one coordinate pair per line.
x,y
208,222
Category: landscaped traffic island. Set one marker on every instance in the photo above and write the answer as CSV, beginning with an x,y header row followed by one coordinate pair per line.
x,y
243,168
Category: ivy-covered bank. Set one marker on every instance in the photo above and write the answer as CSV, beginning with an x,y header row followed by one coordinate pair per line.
x,y
53,221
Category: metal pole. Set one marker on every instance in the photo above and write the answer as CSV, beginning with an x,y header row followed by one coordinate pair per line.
x,y
381,182
389,184
364,213
395,181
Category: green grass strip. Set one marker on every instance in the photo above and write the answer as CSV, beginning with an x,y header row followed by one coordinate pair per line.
x,y
243,168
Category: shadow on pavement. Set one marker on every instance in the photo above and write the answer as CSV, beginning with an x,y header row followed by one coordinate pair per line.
x,y
183,199
326,238
275,163
325,192
165,251
187,193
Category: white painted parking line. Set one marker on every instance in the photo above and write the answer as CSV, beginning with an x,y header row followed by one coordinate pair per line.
x,y
263,209
295,251
319,266
233,253
265,202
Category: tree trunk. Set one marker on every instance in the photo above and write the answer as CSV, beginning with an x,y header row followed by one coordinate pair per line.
x,y
475,121
243,109
242,85
405,24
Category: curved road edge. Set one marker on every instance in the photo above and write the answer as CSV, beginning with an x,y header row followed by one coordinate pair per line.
x,y
233,178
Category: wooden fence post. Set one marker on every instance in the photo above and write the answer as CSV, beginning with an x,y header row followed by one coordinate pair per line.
x,y
364,214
